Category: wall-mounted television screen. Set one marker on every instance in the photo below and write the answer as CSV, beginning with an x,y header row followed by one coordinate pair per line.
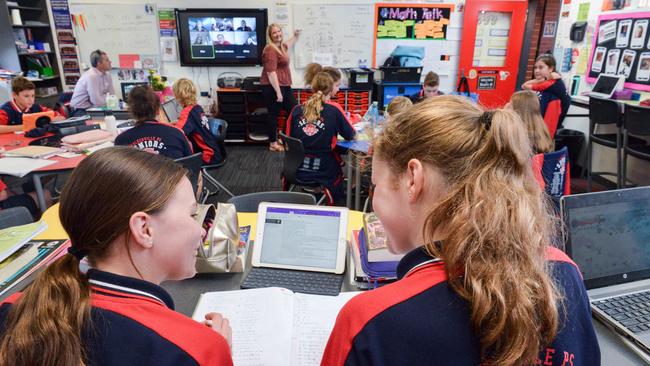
x,y
221,37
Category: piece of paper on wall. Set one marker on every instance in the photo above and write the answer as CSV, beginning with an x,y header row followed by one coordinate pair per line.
x,y
127,61
325,59
583,12
582,61
168,49
281,13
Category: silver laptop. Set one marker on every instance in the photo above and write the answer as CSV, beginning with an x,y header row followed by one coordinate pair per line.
x,y
606,85
608,236
172,110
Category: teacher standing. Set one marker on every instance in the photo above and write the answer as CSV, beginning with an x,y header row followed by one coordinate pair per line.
x,y
276,79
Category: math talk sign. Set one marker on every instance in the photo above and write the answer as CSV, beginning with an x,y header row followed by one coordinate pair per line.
x,y
412,21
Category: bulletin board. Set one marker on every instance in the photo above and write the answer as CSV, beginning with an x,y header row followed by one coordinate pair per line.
x,y
622,47
128,33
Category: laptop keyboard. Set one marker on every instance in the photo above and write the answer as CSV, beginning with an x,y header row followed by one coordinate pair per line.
x,y
632,311
296,281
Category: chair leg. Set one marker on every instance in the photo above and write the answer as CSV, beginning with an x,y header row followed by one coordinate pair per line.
x,y
589,148
216,183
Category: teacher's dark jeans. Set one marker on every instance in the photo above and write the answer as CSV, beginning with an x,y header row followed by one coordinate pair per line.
x,y
270,99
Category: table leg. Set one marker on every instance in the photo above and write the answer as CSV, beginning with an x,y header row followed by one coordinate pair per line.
x,y
348,196
357,182
39,191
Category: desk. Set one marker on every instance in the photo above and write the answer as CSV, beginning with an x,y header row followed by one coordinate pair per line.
x,y
10,141
186,293
352,161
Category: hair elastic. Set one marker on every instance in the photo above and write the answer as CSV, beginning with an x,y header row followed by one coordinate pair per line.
x,y
77,253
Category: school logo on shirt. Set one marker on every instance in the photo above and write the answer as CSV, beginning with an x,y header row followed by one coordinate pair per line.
x,y
149,144
311,128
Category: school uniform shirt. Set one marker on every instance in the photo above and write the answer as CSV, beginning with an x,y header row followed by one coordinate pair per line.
x,y
319,140
420,320
194,123
133,322
12,115
272,61
554,102
157,138
417,97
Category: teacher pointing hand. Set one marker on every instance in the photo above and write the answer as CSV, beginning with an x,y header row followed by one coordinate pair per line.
x,y
276,79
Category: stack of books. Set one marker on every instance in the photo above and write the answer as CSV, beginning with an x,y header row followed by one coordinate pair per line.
x,y
20,256
371,263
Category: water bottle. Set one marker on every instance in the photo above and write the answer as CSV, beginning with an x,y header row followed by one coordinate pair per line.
x,y
110,122
111,101
372,115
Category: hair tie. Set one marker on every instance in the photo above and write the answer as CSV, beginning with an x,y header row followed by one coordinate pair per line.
x,y
486,119
77,253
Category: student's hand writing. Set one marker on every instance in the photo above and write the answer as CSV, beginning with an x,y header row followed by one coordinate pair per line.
x,y
220,325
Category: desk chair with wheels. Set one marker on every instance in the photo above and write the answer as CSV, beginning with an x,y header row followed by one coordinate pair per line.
x,y
193,164
249,202
219,129
294,156
603,112
635,122
15,216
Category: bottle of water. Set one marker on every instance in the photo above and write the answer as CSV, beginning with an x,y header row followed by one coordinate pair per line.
x,y
372,115
110,123
111,101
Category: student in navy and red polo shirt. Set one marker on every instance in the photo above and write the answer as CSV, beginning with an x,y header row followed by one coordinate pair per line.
x,y
553,97
480,283
430,88
149,134
11,113
116,313
317,123
194,123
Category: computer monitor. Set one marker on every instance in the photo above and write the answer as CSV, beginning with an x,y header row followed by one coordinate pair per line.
x,y
126,88
606,85
172,110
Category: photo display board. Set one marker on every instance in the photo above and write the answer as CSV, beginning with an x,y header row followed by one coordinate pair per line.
x,y
622,47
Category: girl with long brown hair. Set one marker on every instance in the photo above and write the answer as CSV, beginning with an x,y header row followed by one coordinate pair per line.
x,y
317,123
526,104
480,283
131,215
276,79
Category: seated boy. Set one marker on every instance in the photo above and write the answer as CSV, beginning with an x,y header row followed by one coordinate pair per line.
x,y
11,113
430,88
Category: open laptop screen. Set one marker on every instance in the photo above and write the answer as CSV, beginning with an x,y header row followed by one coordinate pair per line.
x,y
301,237
605,84
172,110
609,235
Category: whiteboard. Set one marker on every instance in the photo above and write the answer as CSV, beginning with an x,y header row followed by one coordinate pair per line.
x,y
117,29
340,33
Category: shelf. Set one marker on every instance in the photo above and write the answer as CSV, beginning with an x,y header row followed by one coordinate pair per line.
x,y
31,26
47,78
28,8
34,53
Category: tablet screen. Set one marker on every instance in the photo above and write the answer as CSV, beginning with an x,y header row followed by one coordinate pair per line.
x,y
301,237
605,84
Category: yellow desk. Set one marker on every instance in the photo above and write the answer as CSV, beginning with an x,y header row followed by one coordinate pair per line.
x,y
55,230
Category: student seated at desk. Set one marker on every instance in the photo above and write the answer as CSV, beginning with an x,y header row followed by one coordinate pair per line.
x,y
480,283
149,134
194,123
115,313
27,199
526,104
553,98
430,88
317,123
11,113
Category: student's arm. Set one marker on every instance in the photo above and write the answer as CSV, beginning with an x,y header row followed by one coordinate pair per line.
x,y
345,128
4,124
291,41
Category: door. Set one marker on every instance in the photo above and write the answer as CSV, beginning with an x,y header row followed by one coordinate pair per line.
x,y
493,33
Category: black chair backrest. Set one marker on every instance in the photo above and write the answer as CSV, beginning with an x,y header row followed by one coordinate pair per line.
x,y
219,129
294,156
193,164
604,111
249,202
15,216
637,120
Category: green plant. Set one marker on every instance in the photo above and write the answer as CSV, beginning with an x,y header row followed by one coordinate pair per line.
x,y
158,83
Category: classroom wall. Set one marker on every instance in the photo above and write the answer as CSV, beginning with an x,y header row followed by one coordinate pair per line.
x,y
205,77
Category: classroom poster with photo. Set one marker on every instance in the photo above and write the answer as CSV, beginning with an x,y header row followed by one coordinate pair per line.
x,y
621,46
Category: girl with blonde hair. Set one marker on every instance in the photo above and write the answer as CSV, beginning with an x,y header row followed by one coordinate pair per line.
x,y
526,104
116,313
195,124
480,282
276,79
317,123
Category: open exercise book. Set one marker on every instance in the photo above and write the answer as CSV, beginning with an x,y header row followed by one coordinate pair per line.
x,y
274,326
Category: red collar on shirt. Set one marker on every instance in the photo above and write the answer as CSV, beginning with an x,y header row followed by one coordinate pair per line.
x,y
14,105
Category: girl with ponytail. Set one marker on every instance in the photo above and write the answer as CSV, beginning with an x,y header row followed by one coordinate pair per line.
x,y
317,123
115,313
480,282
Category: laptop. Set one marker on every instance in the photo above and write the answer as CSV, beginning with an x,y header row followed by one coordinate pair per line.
x,y
608,236
172,110
299,247
606,85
